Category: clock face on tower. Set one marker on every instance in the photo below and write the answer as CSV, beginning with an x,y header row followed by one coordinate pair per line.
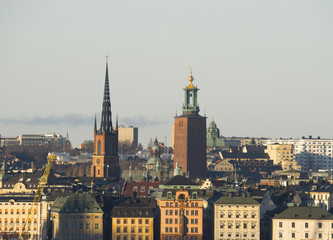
x,y
97,161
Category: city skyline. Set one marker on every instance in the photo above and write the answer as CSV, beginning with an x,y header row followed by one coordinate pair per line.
x,y
263,68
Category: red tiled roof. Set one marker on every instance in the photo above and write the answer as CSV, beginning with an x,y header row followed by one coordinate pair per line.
x,y
141,188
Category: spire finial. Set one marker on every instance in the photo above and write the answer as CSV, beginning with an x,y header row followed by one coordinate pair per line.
x,y
191,65
190,78
117,122
95,128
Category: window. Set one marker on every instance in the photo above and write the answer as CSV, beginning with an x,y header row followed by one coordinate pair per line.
x,y
176,229
96,225
125,229
306,235
147,221
306,225
293,224
320,235
81,227
176,220
125,221
280,235
292,235
245,225
140,220
280,224
320,225
118,221
88,226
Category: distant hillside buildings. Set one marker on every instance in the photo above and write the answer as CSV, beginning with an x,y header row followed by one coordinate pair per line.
x,y
33,139
310,153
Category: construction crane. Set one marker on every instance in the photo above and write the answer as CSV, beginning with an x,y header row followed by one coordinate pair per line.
x,y
32,211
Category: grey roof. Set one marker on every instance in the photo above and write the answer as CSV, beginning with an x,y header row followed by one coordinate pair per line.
x,y
236,200
76,203
180,180
303,213
133,210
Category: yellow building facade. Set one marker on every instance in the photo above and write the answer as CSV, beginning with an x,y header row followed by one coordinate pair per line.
x,y
132,221
284,155
77,217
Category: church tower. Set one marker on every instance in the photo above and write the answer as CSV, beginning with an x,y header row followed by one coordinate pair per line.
x,y
105,163
190,135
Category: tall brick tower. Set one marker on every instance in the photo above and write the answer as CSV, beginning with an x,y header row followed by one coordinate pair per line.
x,y
190,135
105,163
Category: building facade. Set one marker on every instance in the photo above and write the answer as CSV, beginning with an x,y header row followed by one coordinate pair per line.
x,y
181,210
190,136
283,155
310,153
17,215
132,221
128,134
301,223
77,216
34,139
105,163
236,217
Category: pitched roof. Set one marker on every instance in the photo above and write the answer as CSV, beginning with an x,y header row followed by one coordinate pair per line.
x,y
76,203
132,210
180,180
303,213
141,188
236,200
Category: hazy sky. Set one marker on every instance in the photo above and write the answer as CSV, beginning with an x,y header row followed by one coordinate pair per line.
x,y
264,67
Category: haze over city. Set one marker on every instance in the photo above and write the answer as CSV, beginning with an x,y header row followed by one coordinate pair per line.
x,y
264,68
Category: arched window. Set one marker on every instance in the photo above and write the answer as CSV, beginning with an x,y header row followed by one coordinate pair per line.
x,y
99,147
196,204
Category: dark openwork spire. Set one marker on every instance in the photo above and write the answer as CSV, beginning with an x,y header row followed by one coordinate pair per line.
x,y
106,122
95,127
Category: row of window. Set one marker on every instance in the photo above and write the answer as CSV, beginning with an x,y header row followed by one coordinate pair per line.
x,y
187,230
133,221
237,235
187,204
132,229
306,225
180,238
79,217
237,215
306,235
185,212
5,220
6,211
238,225
87,236
133,237
181,196
171,221
80,226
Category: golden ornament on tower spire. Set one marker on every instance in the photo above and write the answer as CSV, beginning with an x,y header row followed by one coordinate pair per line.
x,y
190,78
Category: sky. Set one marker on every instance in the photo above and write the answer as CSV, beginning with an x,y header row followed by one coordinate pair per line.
x,y
264,68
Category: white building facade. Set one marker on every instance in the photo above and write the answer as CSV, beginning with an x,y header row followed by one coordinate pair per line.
x,y
236,217
310,153
301,223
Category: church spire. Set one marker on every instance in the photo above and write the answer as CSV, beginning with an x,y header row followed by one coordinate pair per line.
x,y
95,127
106,122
